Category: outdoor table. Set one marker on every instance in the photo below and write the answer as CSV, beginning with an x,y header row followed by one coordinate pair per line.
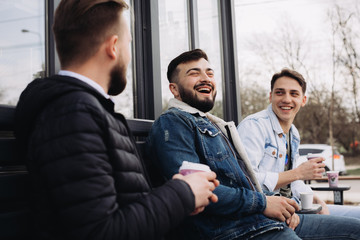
x,y
338,191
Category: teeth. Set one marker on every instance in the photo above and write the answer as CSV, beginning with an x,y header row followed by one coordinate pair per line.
x,y
204,90
286,108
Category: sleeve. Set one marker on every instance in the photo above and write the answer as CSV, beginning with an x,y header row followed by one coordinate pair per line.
x,y
172,141
74,168
252,135
299,186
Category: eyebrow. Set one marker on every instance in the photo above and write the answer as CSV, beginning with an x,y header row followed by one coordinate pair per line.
x,y
283,89
198,69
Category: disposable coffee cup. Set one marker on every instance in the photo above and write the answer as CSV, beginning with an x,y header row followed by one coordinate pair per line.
x,y
190,167
313,155
333,178
306,200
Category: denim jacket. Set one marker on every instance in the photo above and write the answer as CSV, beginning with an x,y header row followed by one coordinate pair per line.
x,y
265,144
184,133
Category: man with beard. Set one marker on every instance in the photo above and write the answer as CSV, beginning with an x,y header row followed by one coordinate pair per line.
x,y
88,181
187,132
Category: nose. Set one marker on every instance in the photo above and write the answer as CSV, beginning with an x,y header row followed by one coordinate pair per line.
x,y
286,98
205,77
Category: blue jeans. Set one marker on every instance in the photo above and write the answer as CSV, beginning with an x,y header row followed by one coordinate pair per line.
x,y
315,226
344,210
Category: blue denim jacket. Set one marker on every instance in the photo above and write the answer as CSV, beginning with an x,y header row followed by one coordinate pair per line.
x,y
265,144
180,135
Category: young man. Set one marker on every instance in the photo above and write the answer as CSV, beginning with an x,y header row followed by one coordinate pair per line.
x,y
87,177
187,132
272,143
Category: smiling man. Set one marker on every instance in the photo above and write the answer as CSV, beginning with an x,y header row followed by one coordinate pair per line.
x,y
187,132
88,180
272,144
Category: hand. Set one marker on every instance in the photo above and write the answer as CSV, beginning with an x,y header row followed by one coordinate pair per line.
x,y
311,169
280,208
325,209
202,184
293,221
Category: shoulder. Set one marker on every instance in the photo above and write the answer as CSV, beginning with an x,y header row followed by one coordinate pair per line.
x,y
175,116
259,120
259,116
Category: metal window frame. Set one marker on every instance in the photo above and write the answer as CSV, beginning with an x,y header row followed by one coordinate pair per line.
x,y
146,49
146,55
231,90
193,26
52,63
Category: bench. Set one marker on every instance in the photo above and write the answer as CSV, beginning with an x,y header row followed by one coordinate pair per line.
x,y
15,214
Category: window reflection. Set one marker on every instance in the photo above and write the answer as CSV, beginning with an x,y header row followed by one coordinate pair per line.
x,y
209,40
173,23
22,51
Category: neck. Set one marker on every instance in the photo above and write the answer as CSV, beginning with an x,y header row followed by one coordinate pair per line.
x,y
91,71
285,127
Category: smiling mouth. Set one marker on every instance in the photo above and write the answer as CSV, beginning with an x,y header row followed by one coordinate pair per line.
x,y
286,108
204,88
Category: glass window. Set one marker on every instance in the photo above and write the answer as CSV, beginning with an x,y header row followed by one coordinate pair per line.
x,y
209,40
124,102
22,51
174,39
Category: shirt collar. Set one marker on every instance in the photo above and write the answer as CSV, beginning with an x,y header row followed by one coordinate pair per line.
x,y
86,80
184,106
276,124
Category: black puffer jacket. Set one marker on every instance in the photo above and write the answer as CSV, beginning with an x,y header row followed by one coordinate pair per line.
x,y
88,180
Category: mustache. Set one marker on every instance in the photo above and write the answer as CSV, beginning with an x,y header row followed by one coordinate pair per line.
x,y
204,84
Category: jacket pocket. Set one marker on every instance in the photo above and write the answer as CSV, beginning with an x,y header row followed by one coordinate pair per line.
x,y
213,144
269,160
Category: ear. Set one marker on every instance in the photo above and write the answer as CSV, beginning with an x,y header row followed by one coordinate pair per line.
x,y
111,47
303,101
174,90
270,96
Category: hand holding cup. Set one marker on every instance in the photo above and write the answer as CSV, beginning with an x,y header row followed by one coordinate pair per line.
x,y
202,182
313,168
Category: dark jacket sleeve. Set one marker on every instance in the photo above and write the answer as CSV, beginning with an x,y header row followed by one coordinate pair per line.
x,y
70,165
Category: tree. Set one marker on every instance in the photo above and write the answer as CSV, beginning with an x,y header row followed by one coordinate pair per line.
x,y
348,57
254,98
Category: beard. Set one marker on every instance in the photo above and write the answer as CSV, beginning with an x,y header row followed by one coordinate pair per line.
x,y
117,80
203,105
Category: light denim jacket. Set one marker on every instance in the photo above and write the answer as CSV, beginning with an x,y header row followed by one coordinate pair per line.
x,y
266,150
184,133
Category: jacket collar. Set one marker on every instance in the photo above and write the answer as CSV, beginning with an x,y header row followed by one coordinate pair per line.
x,y
222,126
185,107
275,124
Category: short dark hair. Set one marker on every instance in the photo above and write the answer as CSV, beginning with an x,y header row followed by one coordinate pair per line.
x,y
185,57
80,26
291,74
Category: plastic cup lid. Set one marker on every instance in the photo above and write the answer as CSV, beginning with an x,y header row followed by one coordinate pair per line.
x,y
313,155
194,166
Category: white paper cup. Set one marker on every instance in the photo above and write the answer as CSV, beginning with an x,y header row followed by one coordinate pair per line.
x,y
190,167
333,178
306,200
313,155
